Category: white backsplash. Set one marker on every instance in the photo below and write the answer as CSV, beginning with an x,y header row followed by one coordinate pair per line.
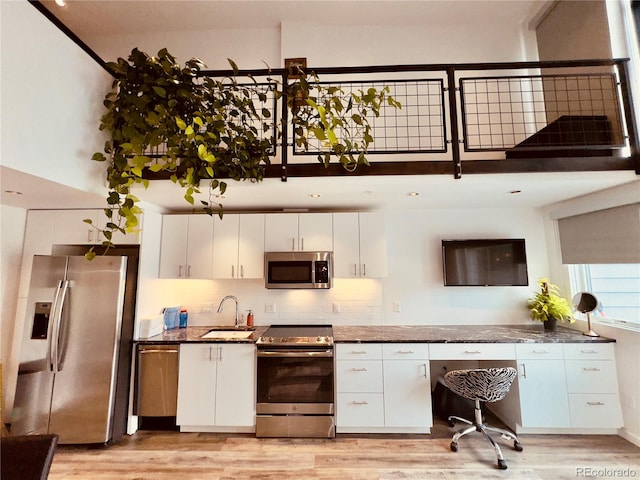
x,y
359,302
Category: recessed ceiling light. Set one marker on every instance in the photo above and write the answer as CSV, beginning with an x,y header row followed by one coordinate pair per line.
x,y
413,194
314,195
61,3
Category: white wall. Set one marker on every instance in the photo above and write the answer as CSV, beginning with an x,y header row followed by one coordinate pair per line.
x,y
330,45
52,94
414,280
13,221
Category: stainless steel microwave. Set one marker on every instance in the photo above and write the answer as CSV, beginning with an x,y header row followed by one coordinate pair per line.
x,y
298,269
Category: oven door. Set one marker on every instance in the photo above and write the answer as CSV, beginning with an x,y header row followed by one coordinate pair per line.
x,y
295,381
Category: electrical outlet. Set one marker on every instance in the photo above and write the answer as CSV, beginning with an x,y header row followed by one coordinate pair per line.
x,y
206,308
336,307
269,308
396,306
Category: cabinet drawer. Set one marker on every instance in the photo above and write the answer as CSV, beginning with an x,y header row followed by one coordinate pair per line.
x,y
360,410
535,351
590,351
472,351
359,376
405,351
591,376
358,351
595,410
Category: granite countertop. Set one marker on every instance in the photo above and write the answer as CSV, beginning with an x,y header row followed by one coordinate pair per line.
x,y
194,334
533,333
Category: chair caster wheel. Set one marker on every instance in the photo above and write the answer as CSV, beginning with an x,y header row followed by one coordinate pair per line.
x,y
453,446
502,465
516,446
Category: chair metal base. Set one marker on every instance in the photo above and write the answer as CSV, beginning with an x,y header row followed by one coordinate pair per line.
x,y
480,426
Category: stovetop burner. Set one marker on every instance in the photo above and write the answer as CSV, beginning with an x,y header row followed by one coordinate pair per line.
x,y
298,335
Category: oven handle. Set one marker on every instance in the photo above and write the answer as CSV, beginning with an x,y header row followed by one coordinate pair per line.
x,y
295,353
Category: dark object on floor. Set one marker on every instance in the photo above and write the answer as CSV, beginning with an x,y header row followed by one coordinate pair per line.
x,y
27,457
447,403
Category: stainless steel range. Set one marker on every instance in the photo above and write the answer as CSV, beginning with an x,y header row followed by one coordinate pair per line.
x,y
295,394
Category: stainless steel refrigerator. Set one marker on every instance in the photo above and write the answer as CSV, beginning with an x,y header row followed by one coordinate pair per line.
x,y
70,378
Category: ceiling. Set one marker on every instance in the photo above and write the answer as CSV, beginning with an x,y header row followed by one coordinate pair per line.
x,y
89,19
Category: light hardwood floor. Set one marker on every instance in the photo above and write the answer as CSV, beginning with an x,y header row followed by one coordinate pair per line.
x,y
185,456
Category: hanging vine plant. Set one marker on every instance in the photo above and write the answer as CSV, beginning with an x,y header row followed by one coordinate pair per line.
x,y
162,117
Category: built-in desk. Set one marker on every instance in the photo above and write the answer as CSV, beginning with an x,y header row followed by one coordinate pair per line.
x,y
567,381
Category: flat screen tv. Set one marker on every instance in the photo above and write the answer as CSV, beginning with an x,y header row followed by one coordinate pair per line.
x,y
485,262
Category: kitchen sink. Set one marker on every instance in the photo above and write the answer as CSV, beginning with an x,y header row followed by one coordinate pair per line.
x,y
229,333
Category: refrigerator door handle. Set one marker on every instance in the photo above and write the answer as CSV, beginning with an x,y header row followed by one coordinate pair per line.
x,y
57,324
53,329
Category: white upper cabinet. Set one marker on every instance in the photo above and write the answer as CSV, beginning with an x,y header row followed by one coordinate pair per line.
x,y
70,229
359,245
290,232
238,246
186,246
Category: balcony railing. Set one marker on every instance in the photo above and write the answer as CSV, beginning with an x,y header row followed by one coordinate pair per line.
x,y
473,118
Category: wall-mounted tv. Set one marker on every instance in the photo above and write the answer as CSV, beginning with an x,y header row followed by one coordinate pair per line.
x,y
485,262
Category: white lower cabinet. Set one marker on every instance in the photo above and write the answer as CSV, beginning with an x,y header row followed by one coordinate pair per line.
x,y
542,386
383,388
570,386
407,388
216,387
592,384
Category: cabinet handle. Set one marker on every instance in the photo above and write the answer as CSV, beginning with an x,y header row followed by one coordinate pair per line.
x,y
293,244
426,369
359,369
524,370
210,353
595,404
179,271
360,403
591,369
302,244
233,272
358,352
241,271
541,352
364,269
89,235
589,352
405,352
219,353
188,271
355,269
472,351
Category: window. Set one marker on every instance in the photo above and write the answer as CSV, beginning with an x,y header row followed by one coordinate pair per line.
x,y
616,286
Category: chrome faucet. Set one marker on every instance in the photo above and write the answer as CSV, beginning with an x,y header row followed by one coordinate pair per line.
x,y
230,297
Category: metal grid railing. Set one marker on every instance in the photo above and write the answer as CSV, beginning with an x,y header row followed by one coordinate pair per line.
x,y
418,127
538,111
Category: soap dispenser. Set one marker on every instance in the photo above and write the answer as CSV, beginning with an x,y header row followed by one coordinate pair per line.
x,y
250,318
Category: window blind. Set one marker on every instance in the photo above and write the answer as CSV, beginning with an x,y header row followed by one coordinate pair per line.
x,y
603,236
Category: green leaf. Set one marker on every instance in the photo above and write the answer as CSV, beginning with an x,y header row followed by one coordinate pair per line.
x,y
98,157
161,92
180,123
88,220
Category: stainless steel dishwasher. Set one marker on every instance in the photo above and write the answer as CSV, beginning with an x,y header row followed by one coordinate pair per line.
x,y
157,381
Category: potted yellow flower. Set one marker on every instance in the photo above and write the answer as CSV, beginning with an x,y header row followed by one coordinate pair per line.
x,y
548,306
